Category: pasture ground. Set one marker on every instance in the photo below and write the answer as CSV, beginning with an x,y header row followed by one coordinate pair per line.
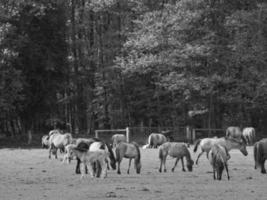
x,y
28,174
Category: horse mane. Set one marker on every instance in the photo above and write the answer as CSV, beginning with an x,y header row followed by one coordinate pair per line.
x,y
82,147
196,144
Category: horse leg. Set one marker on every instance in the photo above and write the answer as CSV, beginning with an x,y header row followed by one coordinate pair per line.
x,y
263,170
119,169
164,163
49,154
56,153
160,166
107,162
226,168
175,164
199,157
78,170
128,171
214,176
103,170
182,159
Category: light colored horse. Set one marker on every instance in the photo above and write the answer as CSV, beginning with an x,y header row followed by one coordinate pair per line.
x,y
54,131
156,139
45,141
176,150
95,144
249,134
117,138
218,157
234,132
89,159
230,143
130,151
260,154
58,141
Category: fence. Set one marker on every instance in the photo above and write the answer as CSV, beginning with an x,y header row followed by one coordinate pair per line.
x,y
140,134
205,132
179,134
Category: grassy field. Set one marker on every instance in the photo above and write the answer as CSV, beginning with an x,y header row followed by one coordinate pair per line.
x,y
29,174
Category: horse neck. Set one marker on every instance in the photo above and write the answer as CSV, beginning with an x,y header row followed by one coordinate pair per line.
x,y
187,156
231,144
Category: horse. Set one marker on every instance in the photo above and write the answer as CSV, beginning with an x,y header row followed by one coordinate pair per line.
x,y
249,135
233,132
176,150
54,131
95,144
260,154
130,151
229,143
156,139
218,157
117,138
58,141
45,142
94,160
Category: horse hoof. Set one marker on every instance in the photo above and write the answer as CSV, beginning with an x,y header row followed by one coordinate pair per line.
x,y
118,172
183,170
160,170
172,169
165,170
263,172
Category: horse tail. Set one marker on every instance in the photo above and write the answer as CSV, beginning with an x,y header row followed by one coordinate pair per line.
x,y
111,157
138,152
196,145
161,156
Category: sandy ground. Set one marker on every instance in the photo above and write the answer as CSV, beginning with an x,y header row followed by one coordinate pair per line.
x,y
29,174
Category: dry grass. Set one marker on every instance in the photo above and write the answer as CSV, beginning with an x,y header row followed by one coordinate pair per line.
x,y
29,174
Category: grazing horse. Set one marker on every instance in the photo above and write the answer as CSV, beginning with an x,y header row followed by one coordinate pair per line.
x,y
94,160
131,151
249,135
58,141
45,141
260,154
229,143
95,144
234,132
218,157
156,139
176,150
117,138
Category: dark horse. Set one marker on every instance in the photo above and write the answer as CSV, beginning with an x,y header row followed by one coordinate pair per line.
x,y
260,154
93,144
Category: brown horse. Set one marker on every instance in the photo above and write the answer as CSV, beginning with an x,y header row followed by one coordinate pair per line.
x,y
176,150
156,139
234,132
130,151
229,143
58,141
117,138
218,157
249,134
260,154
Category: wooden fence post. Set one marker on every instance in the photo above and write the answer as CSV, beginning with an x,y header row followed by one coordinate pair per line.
x,y
127,134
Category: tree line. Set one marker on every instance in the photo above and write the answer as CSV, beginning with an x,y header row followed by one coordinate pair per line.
x,y
85,64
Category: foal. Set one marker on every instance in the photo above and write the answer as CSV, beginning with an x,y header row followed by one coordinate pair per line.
x,y
89,159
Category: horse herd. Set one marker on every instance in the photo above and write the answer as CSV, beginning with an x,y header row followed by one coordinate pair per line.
x,y
96,156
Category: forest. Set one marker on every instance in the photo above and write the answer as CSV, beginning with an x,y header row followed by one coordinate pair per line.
x,y
105,64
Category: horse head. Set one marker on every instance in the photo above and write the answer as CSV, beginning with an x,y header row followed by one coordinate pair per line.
x,y
189,165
